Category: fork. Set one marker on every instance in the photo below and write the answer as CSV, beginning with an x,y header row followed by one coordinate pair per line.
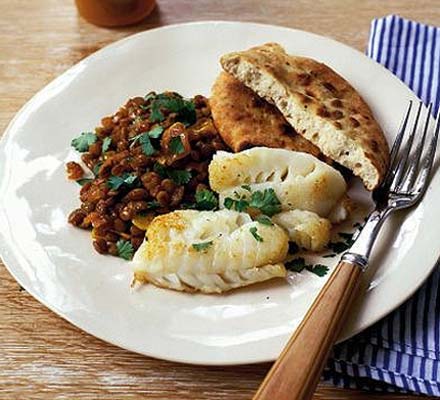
x,y
296,373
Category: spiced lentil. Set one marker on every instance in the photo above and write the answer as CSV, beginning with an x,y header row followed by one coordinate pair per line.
x,y
124,178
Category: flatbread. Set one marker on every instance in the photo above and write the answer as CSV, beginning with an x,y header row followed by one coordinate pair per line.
x,y
245,120
320,104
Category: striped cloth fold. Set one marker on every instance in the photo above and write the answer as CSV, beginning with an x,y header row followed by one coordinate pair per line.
x,y
400,353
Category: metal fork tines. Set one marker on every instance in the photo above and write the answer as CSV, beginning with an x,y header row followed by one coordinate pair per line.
x,y
411,161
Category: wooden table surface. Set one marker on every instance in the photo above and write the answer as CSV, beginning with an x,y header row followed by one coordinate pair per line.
x,y
41,355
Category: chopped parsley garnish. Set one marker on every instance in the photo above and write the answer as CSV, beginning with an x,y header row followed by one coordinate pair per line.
x,y
144,140
266,201
178,176
338,247
229,203
296,265
184,109
255,234
96,168
318,269
206,200
115,182
146,145
202,246
156,115
299,264
106,144
83,181
82,142
150,96
125,249
264,219
156,132
293,248
161,170
176,145
239,205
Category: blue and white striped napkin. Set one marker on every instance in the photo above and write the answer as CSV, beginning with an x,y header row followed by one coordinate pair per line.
x,y
402,351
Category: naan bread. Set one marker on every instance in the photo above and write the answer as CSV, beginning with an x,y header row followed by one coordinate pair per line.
x,y
245,120
320,104
299,180
231,255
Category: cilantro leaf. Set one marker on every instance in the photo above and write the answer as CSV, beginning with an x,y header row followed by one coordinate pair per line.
x,y
229,203
125,249
144,139
179,176
156,115
255,234
293,248
150,96
202,246
264,219
176,145
161,170
115,182
206,200
156,132
82,142
296,265
146,145
83,181
106,144
96,168
318,269
338,247
184,109
239,205
267,202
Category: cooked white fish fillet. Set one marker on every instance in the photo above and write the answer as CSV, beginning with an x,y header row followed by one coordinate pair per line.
x,y
307,229
299,180
341,210
210,251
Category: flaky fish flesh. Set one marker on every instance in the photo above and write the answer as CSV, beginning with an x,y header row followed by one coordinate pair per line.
x,y
210,251
307,229
300,180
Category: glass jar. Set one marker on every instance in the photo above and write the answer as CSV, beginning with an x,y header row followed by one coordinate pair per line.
x,y
111,13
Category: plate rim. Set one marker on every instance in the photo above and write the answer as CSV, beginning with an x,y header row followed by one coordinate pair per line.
x,y
8,258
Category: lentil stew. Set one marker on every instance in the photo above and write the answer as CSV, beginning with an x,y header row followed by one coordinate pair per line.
x,y
151,157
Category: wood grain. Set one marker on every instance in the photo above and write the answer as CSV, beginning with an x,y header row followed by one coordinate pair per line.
x,y
296,373
43,356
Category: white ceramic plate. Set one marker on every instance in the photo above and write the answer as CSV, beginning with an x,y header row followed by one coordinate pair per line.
x,y
55,262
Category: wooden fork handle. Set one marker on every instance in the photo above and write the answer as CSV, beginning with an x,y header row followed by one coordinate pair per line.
x,y
296,373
